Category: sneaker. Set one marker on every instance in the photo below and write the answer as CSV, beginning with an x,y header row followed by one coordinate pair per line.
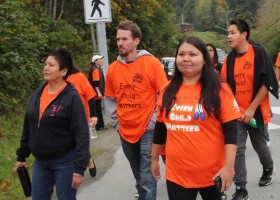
x,y
136,196
240,194
266,178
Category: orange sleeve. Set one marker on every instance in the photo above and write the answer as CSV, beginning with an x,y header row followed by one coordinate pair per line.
x,y
95,75
109,89
224,70
277,63
87,88
229,107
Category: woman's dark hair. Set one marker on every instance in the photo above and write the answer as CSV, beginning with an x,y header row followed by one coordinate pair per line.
x,y
64,59
210,82
242,26
92,66
215,59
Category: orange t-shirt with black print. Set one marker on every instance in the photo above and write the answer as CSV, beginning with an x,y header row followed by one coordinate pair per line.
x,y
277,63
47,98
134,86
244,83
85,90
195,148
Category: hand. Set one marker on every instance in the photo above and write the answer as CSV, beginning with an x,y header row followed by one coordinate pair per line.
x,y
77,180
247,116
226,175
19,164
99,95
155,169
94,121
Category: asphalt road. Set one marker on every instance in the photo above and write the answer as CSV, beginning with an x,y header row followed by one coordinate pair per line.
x,y
117,183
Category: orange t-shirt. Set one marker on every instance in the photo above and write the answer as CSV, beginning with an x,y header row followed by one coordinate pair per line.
x,y
96,77
85,90
47,98
134,86
244,82
277,63
195,148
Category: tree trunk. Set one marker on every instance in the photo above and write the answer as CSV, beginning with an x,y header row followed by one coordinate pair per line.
x,y
61,10
54,9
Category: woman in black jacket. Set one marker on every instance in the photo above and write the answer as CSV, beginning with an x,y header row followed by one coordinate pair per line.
x,y
55,132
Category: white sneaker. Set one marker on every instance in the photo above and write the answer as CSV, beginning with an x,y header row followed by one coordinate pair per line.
x,y
136,196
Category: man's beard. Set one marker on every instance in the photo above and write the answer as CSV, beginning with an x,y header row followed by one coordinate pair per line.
x,y
123,53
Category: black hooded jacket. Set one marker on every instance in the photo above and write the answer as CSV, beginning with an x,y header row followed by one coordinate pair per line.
x,y
263,75
63,127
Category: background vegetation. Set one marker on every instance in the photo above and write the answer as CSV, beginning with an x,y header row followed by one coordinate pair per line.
x,y
31,28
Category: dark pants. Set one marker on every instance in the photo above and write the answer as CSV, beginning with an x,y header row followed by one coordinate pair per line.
x,y
139,157
177,192
54,172
100,122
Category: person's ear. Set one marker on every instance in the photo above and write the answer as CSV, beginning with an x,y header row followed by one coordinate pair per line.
x,y
64,71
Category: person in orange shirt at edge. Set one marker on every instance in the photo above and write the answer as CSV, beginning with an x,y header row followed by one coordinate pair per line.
x,y
87,94
250,74
96,79
197,121
132,85
277,69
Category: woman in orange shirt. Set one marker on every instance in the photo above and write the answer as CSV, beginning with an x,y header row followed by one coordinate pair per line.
x,y
97,81
197,122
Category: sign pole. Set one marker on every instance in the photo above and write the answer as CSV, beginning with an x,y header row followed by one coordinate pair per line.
x,y
102,43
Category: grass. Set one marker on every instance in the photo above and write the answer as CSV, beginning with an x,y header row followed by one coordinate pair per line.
x,y
10,133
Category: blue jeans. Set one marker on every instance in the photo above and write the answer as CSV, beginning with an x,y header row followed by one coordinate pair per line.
x,y
258,140
139,157
54,172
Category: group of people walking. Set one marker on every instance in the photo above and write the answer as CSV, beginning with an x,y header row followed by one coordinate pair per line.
x,y
200,117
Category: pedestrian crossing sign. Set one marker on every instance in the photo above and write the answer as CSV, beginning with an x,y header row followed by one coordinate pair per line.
x,y
97,11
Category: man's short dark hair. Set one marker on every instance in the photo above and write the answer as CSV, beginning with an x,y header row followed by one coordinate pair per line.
x,y
242,26
130,26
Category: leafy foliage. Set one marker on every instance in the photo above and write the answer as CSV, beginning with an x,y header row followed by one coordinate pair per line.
x,y
27,33
155,20
21,45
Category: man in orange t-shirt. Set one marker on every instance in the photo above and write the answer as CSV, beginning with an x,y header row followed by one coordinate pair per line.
x,y
132,85
249,72
277,64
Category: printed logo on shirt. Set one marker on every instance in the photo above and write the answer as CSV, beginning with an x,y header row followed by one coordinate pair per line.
x,y
128,93
185,113
236,105
247,65
55,109
138,78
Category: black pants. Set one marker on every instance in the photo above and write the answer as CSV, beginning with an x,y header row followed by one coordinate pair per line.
x,y
177,192
100,122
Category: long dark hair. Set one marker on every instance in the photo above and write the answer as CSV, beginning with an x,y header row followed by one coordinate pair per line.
x,y
210,81
215,59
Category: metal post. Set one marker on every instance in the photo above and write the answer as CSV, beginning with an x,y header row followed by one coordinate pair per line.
x,y
102,43
102,49
93,41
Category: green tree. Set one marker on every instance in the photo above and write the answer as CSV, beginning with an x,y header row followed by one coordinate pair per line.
x,y
27,33
155,19
22,43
